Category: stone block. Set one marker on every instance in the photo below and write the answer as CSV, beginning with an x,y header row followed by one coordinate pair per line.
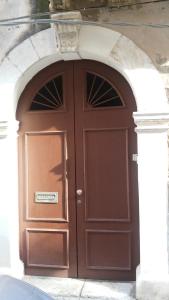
x,y
57,287
152,289
9,72
68,34
45,42
108,290
93,39
75,4
25,56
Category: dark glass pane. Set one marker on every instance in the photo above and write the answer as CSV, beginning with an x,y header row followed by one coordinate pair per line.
x,y
50,96
100,93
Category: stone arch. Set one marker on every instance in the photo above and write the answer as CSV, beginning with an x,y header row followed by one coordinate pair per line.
x,y
87,42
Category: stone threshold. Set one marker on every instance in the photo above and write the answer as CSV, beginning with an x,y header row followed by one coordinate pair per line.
x,y
80,289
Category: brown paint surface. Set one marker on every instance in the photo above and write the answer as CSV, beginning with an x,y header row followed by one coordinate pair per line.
x,y
94,235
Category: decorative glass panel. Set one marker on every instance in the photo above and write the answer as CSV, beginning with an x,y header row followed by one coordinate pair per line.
x,y
50,96
100,93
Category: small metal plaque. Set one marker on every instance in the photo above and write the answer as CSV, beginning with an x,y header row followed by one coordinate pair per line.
x,y
46,197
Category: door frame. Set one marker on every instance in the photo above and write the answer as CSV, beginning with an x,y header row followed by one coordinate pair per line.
x,y
69,71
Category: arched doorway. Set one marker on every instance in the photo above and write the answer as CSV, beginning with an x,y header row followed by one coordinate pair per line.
x,y
78,180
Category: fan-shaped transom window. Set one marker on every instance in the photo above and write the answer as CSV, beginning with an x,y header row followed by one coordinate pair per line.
x,y
100,93
50,96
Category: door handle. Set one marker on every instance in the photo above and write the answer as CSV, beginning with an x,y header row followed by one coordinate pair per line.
x,y
79,192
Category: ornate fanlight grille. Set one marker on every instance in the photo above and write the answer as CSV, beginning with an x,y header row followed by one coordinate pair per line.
x,y
100,93
50,96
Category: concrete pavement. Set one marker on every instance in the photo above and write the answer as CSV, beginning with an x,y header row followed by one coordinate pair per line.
x,y
80,289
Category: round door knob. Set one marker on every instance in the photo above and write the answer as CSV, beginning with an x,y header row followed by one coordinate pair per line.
x,y
79,192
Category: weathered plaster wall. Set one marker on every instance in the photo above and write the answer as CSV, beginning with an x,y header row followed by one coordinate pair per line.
x,y
154,41
10,36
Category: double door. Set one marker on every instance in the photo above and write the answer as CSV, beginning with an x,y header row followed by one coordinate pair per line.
x,y
78,183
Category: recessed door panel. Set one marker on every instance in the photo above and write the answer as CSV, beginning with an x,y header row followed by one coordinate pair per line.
x,y
46,173
106,174
116,246
54,254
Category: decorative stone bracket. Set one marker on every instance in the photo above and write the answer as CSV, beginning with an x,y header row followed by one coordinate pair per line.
x,y
68,34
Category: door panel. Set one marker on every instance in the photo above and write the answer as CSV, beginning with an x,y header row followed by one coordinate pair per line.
x,y
77,133
46,175
52,254
108,250
106,222
106,174
47,160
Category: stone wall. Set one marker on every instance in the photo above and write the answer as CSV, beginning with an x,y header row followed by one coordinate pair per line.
x,y
10,36
77,4
154,41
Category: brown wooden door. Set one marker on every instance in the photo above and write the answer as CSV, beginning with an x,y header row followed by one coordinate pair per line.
x,y
107,214
79,214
